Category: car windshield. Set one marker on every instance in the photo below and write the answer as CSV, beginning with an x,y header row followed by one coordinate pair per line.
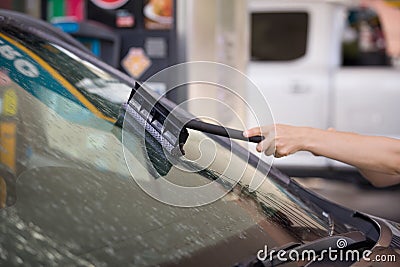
x,y
67,193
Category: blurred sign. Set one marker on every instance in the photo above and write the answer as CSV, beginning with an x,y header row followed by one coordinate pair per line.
x,y
109,4
117,14
136,62
158,14
124,19
156,47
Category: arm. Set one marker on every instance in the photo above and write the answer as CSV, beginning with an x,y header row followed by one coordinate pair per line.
x,y
373,155
379,179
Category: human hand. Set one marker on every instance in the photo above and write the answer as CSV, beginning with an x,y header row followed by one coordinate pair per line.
x,y
280,140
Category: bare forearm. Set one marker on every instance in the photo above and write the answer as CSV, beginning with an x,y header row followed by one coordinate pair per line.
x,y
380,154
379,179
378,158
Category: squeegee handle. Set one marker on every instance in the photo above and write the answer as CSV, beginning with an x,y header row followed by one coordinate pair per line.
x,y
221,131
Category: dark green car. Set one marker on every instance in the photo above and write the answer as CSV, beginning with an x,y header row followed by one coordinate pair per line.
x,y
68,197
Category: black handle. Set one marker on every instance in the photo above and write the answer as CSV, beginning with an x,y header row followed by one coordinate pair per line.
x,y
221,131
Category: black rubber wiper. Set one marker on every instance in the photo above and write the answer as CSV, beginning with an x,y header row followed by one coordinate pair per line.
x,y
168,128
347,241
163,130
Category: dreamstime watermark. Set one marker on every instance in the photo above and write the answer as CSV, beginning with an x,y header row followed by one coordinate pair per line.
x,y
221,89
339,253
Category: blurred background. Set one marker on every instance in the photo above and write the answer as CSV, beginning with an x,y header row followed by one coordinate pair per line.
x,y
318,63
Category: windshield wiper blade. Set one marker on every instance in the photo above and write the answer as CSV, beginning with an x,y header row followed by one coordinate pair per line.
x,y
169,128
350,240
164,131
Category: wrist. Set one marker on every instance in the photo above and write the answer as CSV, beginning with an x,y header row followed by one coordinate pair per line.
x,y
310,138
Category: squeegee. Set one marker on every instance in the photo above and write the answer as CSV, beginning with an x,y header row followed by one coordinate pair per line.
x,y
169,129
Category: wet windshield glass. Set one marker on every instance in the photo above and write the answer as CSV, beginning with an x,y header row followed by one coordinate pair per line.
x,y
68,196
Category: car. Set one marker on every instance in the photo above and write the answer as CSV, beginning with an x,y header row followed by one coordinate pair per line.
x,y
326,71
71,186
